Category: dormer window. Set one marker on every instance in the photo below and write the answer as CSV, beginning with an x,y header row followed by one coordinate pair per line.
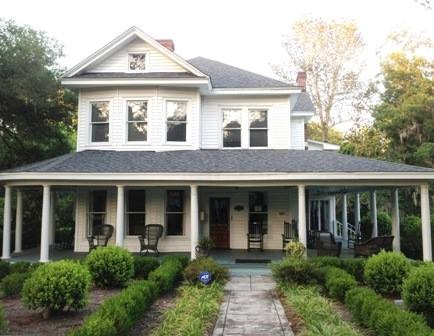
x,y
137,61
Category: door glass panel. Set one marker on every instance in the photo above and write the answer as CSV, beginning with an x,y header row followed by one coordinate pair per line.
x,y
219,211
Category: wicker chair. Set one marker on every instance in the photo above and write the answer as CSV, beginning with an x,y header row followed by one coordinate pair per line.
x,y
326,244
100,237
373,246
255,237
289,232
149,241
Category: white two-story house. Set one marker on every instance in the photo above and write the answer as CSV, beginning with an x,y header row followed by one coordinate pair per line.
x,y
202,148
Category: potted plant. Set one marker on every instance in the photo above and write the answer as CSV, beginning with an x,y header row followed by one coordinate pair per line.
x,y
204,246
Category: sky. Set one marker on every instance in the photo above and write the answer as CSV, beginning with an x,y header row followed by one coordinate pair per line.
x,y
243,33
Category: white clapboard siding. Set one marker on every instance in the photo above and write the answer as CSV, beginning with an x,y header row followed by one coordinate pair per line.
x,y
297,133
118,61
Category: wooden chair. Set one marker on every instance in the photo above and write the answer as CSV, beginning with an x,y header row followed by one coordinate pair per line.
x,y
149,241
255,237
100,237
326,244
373,246
289,232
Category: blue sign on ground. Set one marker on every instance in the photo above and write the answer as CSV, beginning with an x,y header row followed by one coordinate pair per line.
x,y
205,277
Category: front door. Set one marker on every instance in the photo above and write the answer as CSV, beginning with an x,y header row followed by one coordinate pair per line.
x,y
219,221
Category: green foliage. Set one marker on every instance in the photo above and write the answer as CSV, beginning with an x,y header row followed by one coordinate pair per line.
x,y
411,236
3,321
57,285
95,325
196,308
294,249
110,266
13,283
184,260
418,291
338,282
144,265
384,222
365,141
382,316
295,271
319,316
386,271
21,267
314,132
5,268
355,267
165,276
220,274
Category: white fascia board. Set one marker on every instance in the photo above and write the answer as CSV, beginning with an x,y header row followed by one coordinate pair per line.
x,y
303,114
90,82
253,91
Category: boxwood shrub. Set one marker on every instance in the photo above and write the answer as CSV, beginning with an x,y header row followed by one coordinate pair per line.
x,y
144,265
165,276
354,266
110,266
295,270
13,283
338,282
418,291
58,285
220,274
386,271
4,268
382,316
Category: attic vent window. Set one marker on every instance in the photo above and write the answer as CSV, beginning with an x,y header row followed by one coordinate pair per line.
x,y
137,62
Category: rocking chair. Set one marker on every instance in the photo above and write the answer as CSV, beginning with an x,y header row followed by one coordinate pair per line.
x,y
255,237
149,241
100,237
289,232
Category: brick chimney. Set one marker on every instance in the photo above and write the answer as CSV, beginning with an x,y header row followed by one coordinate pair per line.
x,y
169,44
301,80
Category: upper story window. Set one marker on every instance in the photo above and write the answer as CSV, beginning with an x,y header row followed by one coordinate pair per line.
x,y
176,122
100,121
231,128
137,120
136,211
137,61
258,124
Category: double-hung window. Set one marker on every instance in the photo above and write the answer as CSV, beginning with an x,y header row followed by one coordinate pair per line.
x,y
136,211
231,128
100,113
176,121
137,120
137,61
258,211
97,209
175,212
258,124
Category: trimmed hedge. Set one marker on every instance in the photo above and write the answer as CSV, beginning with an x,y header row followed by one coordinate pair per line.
x,y
354,266
13,283
4,268
338,282
167,274
219,273
382,316
296,271
144,265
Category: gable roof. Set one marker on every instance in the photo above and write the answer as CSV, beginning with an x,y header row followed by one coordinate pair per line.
x,y
119,41
227,76
303,103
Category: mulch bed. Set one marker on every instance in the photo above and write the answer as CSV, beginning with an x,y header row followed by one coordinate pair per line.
x,y
22,321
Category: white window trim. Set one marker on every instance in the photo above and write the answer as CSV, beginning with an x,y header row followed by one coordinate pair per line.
x,y
90,123
222,129
126,122
187,122
257,128
126,212
184,227
146,53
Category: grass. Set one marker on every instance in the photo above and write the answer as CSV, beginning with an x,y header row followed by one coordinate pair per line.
x,y
194,313
319,316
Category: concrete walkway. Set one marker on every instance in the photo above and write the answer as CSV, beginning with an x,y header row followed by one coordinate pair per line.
x,y
250,309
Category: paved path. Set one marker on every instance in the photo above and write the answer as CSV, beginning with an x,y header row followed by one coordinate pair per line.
x,y
250,309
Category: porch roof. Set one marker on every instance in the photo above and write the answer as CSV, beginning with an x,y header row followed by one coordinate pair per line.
x,y
215,161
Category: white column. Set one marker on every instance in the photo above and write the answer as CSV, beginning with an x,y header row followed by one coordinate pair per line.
x,y
395,221
19,223
6,253
344,218
194,219
373,208
120,215
302,235
426,222
45,225
52,218
333,215
357,213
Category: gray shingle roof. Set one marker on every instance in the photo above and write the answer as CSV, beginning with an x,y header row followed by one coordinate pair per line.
x,y
227,76
214,161
92,75
303,103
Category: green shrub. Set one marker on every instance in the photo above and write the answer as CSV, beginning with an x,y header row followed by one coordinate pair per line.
x,y
294,249
95,325
110,266
167,274
386,271
418,291
4,268
295,270
3,321
219,273
184,260
354,266
382,316
384,222
338,282
143,266
411,237
12,284
20,267
58,285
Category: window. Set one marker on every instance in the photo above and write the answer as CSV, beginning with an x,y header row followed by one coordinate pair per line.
x,y
258,128
137,61
258,210
231,128
137,120
97,209
100,121
136,212
176,113
175,212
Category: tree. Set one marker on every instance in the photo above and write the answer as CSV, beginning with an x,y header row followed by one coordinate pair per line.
x,y
36,115
366,141
328,51
314,132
